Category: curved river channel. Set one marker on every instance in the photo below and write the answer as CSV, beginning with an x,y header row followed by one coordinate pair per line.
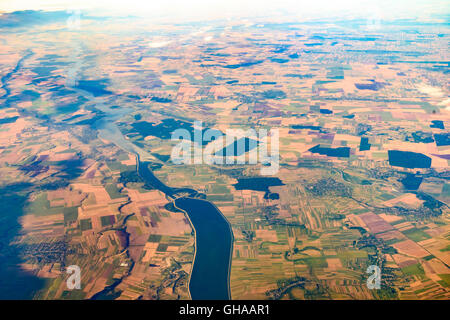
x,y
210,272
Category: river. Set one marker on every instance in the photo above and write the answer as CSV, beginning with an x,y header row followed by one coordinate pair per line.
x,y
209,279
210,272
213,248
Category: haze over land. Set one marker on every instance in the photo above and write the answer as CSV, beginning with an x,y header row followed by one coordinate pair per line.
x,y
208,10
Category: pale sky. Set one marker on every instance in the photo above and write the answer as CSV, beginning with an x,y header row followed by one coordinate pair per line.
x,y
304,9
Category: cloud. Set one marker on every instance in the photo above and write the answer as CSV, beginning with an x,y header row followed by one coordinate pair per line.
x,y
158,44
